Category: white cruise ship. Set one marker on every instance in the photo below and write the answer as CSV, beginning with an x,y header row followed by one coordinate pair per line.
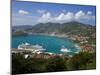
x,y
29,47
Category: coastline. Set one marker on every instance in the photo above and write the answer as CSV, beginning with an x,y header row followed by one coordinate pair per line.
x,y
63,36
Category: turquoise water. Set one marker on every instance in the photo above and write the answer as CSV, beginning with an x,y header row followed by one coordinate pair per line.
x,y
50,43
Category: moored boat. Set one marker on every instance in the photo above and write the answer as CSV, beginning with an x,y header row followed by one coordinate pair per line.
x,y
63,49
29,47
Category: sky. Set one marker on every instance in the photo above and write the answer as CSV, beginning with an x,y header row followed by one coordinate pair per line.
x,y
31,13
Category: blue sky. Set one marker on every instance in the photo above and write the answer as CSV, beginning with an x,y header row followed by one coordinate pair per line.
x,y
31,13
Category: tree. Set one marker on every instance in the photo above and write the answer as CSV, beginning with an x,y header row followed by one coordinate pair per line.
x,y
56,64
83,61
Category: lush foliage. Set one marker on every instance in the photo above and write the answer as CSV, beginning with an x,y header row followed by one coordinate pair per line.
x,y
19,33
81,61
71,28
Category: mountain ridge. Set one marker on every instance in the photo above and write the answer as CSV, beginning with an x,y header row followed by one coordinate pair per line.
x,y
57,28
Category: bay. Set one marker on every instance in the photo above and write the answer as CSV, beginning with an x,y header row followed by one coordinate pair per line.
x,y
50,43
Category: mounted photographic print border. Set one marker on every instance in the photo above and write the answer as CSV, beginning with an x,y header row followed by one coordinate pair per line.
x,y
52,37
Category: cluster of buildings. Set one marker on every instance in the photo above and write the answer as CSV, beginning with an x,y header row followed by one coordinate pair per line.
x,y
87,48
84,43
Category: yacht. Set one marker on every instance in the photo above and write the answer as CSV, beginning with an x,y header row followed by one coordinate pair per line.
x,y
63,49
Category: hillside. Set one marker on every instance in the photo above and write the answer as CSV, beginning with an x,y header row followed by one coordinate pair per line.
x,y
67,28
20,28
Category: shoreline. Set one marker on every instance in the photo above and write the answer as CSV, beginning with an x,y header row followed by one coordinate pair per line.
x,y
63,36
48,54
73,38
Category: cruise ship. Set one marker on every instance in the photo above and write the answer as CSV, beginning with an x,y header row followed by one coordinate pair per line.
x,y
33,48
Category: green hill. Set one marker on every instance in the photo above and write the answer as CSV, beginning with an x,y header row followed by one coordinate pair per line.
x,y
67,28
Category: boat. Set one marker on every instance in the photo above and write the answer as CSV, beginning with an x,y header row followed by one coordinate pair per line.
x,y
29,47
63,49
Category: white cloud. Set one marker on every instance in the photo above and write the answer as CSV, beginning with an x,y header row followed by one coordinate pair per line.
x,y
41,11
89,12
60,16
69,16
66,17
46,17
23,12
79,15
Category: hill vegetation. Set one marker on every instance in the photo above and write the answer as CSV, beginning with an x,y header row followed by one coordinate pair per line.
x,y
81,61
19,33
66,28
